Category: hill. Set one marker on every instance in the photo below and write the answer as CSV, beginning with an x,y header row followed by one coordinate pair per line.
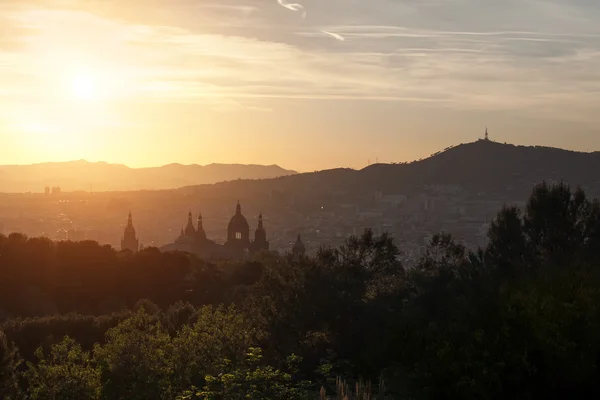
x,y
482,166
100,176
489,166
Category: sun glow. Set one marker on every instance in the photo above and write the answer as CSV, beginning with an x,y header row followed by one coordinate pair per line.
x,y
83,88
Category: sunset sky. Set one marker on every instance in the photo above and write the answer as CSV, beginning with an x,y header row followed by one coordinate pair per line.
x,y
309,85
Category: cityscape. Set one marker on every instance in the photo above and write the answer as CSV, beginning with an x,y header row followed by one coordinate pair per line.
x,y
325,218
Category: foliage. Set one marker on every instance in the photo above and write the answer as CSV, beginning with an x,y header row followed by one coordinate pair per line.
x,y
250,381
43,278
220,335
9,362
135,362
67,372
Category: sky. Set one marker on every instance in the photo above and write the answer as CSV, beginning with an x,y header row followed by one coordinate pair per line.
x,y
307,85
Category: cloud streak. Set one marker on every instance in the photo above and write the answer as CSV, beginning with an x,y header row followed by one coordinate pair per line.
x,y
464,66
335,36
293,6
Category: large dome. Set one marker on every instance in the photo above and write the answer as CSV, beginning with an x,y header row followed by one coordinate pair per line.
x,y
238,222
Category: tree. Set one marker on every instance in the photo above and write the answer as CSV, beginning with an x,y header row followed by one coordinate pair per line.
x,y
507,249
220,335
251,381
559,226
67,372
136,361
9,363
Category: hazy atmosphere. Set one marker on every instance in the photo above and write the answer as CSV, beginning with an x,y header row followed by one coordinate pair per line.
x,y
309,85
299,199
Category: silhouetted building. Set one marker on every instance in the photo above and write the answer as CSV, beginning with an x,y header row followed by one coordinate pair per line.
x,y
238,233
237,246
260,237
130,241
189,229
299,249
47,190
193,240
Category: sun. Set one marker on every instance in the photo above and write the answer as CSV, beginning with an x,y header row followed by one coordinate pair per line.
x,y
83,87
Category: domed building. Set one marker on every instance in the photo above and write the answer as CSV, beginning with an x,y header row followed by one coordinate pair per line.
x,y
194,240
299,249
237,246
130,241
238,232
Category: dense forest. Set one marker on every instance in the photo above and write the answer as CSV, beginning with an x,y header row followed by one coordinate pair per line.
x,y
517,319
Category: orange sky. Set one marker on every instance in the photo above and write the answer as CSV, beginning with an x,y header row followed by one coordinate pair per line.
x,y
307,85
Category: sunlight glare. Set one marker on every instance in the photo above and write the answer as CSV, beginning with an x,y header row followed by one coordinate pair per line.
x,y
83,88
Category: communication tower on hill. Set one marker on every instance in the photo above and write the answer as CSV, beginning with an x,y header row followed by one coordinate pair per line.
x,y
487,136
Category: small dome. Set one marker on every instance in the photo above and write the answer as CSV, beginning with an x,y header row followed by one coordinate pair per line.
x,y
299,247
260,235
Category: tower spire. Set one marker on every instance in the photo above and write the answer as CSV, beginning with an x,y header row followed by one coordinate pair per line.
x,y
189,229
130,241
487,137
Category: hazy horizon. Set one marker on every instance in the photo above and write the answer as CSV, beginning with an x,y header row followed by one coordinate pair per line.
x,y
144,167
304,85
370,162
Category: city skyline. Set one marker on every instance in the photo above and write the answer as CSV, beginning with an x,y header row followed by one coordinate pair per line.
x,y
305,85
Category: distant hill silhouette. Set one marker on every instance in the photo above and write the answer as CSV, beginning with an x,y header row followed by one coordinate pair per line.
x,y
80,175
485,166
489,165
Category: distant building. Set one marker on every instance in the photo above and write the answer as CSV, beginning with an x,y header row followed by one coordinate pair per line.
x,y
260,237
238,244
130,241
47,190
299,249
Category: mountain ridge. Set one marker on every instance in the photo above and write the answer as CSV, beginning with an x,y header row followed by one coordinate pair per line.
x,y
79,175
484,165
86,162
481,166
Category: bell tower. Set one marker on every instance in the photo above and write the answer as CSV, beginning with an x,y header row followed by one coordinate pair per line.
x,y
260,236
130,241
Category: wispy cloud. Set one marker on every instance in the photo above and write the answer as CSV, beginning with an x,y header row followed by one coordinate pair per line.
x,y
191,58
334,35
293,6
